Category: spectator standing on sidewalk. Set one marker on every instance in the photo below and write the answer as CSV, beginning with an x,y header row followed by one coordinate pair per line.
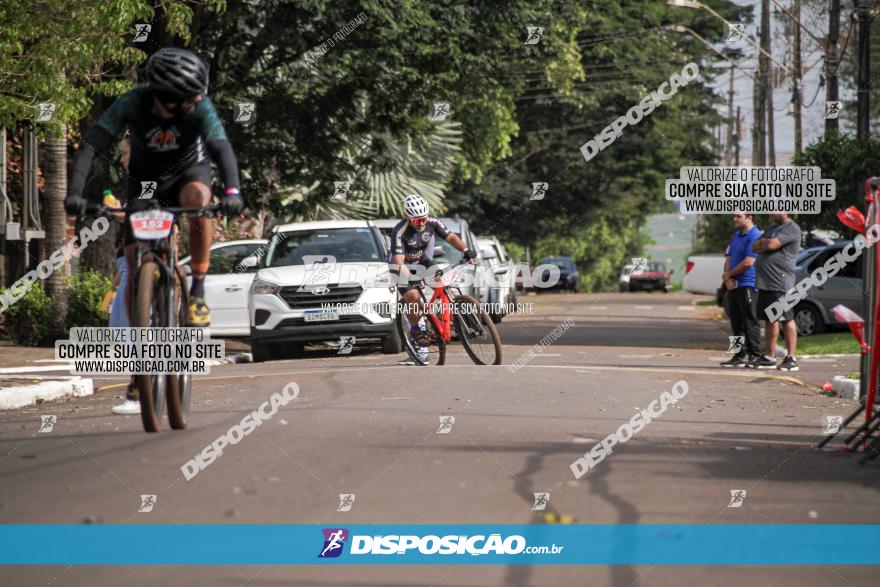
x,y
739,280
778,249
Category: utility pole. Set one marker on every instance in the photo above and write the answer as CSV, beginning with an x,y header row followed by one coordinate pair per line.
x,y
759,132
796,80
767,81
863,9
739,126
728,152
832,61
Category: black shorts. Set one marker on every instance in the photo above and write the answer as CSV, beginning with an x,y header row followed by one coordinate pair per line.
x,y
414,283
766,299
166,193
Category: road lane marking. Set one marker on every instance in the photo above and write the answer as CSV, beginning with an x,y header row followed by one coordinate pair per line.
x,y
747,373
643,307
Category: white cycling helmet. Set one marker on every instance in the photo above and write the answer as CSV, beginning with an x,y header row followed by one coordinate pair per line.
x,y
415,206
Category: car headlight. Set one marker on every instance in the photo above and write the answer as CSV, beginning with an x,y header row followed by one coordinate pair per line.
x,y
264,287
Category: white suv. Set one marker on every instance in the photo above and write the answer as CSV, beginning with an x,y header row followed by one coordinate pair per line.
x,y
322,281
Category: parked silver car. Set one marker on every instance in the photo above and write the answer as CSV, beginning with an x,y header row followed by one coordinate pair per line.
x,y
813,315
503,272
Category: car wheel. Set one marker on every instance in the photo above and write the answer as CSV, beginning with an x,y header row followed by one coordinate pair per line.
x,y
262,352
391,344
808,320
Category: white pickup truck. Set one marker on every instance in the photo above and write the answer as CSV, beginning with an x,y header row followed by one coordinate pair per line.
x,y
703,273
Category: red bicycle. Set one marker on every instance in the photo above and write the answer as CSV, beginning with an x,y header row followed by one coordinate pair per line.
x,y
447,316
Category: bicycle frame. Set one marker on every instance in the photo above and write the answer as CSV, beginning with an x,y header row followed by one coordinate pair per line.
x,y
443,325
163,251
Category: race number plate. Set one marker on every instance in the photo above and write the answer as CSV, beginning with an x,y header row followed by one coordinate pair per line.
x,y
151,224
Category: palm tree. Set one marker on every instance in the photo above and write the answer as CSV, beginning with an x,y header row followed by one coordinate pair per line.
x,y
424,168
55,218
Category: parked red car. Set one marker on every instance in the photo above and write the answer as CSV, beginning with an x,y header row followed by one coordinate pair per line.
x,y
653,276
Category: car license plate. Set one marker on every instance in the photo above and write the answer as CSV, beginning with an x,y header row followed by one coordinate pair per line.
x,y
320,315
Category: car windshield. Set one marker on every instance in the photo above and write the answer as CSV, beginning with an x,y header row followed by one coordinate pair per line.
x,y
561,263
656,267
447,254
343,244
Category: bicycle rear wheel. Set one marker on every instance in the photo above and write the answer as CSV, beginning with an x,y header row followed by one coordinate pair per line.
x,y
149,311
478,335
178,387
436,352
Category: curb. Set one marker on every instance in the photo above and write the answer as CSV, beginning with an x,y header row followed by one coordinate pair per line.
x,y
845,388
28,395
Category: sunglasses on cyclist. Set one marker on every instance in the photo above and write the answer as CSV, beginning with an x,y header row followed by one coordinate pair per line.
x,y
173,103
419,221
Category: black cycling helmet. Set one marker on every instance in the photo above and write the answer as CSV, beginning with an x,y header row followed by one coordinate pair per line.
x,y
176,73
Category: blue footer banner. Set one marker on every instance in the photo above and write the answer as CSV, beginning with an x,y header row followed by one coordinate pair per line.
x,y
580,544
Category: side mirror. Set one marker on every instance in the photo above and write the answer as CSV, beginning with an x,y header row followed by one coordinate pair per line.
x,y
671,271
249,263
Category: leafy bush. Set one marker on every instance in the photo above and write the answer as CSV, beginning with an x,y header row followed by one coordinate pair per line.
x,y
29,320
84,296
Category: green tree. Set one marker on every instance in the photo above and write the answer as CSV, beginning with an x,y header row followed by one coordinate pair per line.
x,y
594,209
848,161
59,52
348,110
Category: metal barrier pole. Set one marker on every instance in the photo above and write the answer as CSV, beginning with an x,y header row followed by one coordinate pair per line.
x,y
869,290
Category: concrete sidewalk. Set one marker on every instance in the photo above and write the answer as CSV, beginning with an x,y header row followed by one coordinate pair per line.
x,y
32,375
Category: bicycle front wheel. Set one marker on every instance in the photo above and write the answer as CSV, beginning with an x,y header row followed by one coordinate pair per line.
x,y
149,311
178,385
478,335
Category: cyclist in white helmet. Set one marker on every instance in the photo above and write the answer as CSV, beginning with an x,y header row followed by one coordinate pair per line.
x,y
412,243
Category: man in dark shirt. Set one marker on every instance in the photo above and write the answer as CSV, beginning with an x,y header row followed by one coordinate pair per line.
x,y
412,243
173,128
778,249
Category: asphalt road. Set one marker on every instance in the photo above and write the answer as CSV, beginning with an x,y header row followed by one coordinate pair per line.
x,y
364,425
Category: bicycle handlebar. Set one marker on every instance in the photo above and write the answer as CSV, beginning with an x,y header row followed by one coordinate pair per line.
x,y
200,210
440,272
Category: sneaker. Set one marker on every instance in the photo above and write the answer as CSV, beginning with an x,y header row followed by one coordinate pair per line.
x,y
422,352
762,363
735,361
198,314
789,363
130,407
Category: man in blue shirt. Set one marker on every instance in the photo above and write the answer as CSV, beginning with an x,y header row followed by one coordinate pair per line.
x,y
739,280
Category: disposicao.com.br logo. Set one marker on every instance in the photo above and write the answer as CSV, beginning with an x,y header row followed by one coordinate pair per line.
x,y
334,540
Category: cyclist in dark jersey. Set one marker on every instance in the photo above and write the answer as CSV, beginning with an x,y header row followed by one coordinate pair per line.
x,y
173,129
412,243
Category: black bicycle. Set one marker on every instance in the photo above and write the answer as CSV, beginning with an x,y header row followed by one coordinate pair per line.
x,y
159,300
